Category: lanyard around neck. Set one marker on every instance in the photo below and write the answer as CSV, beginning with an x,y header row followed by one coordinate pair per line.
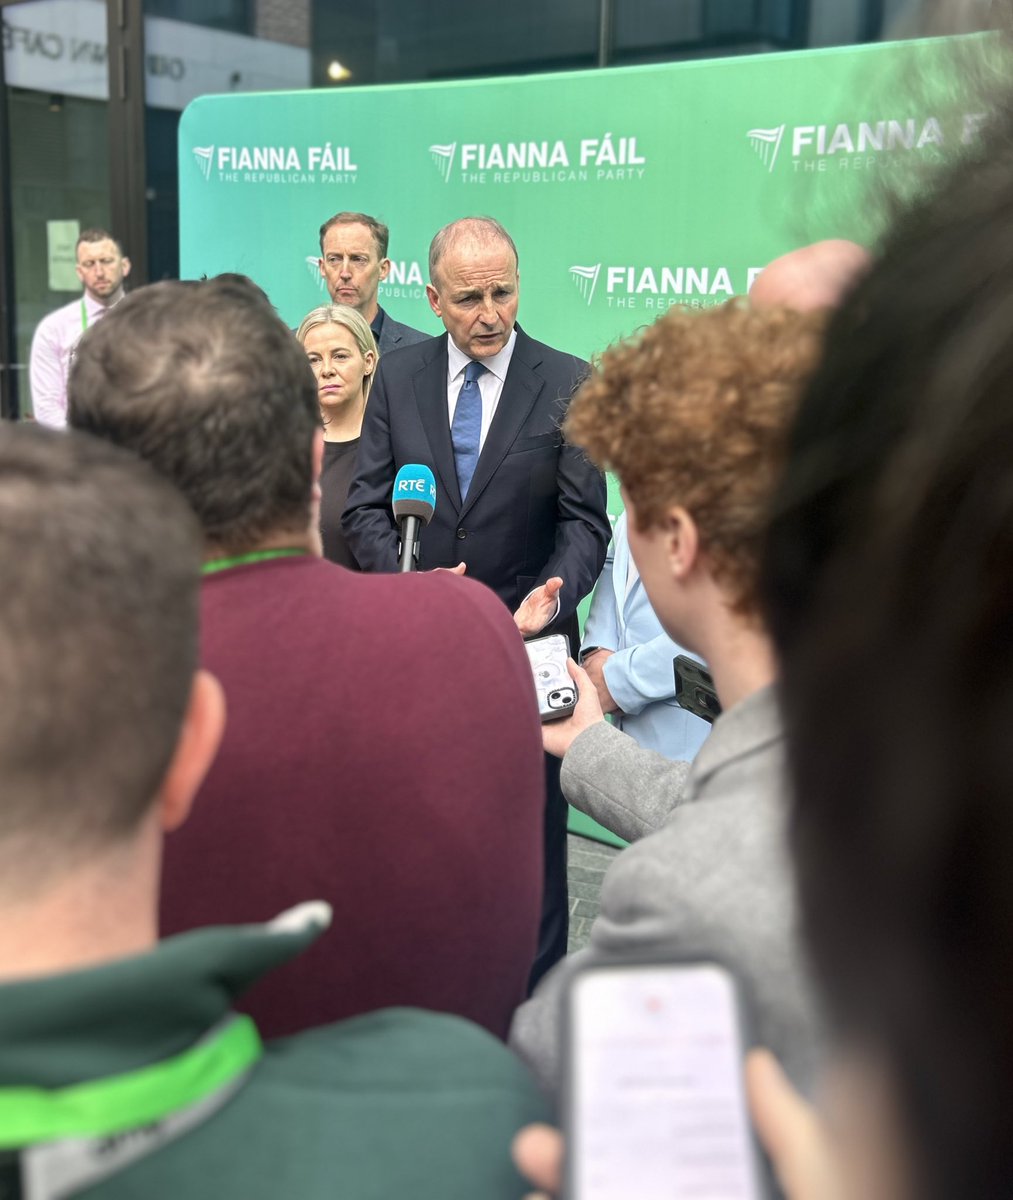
x,y
239,560
84,315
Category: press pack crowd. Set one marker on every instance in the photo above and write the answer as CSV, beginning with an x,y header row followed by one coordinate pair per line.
x,y
282,837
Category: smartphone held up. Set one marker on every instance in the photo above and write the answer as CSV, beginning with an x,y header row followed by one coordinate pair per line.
x,y
655,1103
556,691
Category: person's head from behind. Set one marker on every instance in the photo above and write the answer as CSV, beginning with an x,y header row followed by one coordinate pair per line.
x,y
207,384
98,668
340,348
888,585
810,278
692,415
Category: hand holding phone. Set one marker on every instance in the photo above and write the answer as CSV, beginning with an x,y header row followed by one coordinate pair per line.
x,y
556,691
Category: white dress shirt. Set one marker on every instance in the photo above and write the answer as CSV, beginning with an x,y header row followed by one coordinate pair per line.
x,y
490,382
52,349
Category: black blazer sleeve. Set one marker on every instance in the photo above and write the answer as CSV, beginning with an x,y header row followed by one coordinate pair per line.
x,y
368,520
583,531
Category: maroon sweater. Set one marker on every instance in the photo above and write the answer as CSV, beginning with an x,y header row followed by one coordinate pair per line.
x,y
382,752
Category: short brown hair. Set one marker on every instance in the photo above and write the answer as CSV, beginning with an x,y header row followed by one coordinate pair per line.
x,y
89,236
695,411
380,232
98,645
205,382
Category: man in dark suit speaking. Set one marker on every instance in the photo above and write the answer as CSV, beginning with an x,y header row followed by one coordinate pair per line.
x,y
523,511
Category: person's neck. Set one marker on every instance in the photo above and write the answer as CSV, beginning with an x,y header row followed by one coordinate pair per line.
x,y
280,541
743,665
342,422
97,912
738,652
370,310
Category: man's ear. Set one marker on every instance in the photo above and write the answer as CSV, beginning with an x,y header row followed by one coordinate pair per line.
x,y
126,266
199,738
433,296
682,542
384,268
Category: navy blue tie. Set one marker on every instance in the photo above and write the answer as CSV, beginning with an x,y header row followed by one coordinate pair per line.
x,y
466,429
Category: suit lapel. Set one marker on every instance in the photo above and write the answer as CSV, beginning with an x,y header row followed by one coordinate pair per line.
x,y
520,391
430,384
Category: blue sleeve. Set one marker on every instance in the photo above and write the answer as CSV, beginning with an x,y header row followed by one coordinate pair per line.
x,y
602,628
641,675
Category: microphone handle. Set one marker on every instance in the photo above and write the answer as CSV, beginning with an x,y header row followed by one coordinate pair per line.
x,y
409,560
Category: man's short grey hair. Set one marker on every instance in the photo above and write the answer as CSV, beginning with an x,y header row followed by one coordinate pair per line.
x,y
480,229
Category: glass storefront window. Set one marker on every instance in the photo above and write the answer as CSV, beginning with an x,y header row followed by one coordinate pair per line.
x,y
197,47
56,89
394,41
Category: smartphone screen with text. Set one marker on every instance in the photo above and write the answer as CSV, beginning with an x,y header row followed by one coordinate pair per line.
x,y
655,1102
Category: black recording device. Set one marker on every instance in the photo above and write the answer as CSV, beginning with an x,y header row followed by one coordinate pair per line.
x,y
694,689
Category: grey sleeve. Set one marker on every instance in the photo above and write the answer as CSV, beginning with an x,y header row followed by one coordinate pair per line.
x,y
629,790
537,1031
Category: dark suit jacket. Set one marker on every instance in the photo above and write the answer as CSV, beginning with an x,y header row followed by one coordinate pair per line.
x,y
394,335
536,506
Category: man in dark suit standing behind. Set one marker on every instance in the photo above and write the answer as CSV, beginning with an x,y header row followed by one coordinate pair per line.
x,y
517,508
353,261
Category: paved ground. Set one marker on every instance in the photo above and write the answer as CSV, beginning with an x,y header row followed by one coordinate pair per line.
x,y
588,862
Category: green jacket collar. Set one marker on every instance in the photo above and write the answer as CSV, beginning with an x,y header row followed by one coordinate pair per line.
x,y
63,1029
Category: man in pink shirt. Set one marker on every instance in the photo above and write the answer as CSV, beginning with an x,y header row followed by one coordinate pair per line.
x,y
101,266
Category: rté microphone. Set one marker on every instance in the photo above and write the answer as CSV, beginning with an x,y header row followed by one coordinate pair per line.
x,y
414,502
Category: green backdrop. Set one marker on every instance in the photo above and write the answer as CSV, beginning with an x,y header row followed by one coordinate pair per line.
x,y
626,190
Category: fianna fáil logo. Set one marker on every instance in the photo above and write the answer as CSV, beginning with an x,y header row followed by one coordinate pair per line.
x,y
601,158
658,286
766,143
586,280
443,157
313,267
855,145
204,157
325,162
